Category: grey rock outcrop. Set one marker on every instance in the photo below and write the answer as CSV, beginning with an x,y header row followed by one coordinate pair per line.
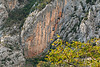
x,y
11,54
10,50
8,5
3,14
71,19
83,22
9,58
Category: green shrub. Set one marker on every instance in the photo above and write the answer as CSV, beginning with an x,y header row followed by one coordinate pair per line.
x,y
88,1
92,2
18,15
43,64
76,53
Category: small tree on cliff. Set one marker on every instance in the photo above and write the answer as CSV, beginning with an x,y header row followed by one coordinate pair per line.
x,y
75,53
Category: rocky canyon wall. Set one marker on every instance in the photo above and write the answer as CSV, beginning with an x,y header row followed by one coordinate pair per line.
x,y
9,57
77,20
40,27
71,19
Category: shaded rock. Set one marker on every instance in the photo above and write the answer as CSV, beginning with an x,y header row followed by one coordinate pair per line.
x,y
9,58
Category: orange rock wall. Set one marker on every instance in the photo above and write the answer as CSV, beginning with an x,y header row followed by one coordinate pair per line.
x,y
43,32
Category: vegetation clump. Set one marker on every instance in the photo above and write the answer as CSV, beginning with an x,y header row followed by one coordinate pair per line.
x,y
17,16
75,54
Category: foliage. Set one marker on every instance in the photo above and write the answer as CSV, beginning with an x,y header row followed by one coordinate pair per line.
x,y
43,64
92,2
17,16
34,61
41,4
87,1
75,53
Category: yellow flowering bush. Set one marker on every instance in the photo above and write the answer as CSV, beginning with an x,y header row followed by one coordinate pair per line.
x,y
75,54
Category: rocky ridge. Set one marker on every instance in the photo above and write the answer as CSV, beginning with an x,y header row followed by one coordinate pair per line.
x,y
10,53
71,19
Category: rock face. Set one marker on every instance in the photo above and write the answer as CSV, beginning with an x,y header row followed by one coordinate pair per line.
x,y
3,14
10,53
71,19
9,58
6,6
38,28
10,4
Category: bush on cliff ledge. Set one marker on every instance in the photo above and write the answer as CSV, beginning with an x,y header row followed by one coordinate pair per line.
x,y
75,54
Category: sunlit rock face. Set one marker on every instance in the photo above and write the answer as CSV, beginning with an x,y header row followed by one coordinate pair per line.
x,y
10,53
71,19
40,27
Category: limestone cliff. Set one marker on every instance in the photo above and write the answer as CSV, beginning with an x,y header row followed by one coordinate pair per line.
x,y
38,28
10,53
71,19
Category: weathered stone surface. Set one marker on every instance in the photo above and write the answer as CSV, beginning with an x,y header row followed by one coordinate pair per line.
x,y
40,28
3,14
10,53
11,42
83,22
6,6
71,19
11,4
9,58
